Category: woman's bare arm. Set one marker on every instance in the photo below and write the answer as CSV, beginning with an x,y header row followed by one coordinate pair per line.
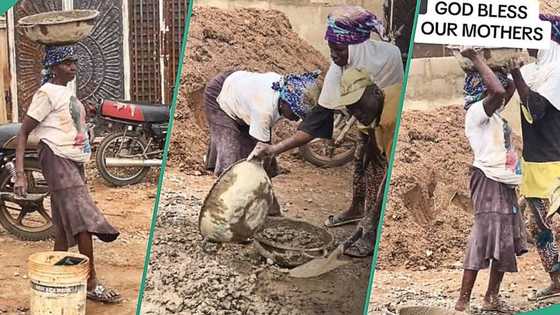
x,y
20,186
495,92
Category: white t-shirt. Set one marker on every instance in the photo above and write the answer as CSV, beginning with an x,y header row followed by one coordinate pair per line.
x,y
249,97
491,142
62,122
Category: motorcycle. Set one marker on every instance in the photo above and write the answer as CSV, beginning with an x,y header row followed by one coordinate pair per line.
x,y
28,218
135,143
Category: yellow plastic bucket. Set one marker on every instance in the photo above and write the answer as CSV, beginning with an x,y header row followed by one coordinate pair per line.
x,y
58,283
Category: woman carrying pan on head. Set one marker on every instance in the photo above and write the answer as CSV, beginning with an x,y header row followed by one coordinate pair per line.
x,y
58,119
498,234
538,86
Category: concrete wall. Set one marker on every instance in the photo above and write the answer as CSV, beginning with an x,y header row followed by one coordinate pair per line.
x,y
434,82
437,82
308,17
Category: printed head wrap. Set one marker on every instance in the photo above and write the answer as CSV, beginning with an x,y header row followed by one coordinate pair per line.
x,y
555,21
55,55
475,88
292,89
350,25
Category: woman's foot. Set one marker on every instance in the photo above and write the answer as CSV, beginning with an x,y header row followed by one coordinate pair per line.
x,y
363,247
462,306
343,218
99,293
104,295
494,304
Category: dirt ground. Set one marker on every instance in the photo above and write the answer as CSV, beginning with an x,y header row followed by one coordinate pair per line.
x,y
400,287
234,279
119,264
424,233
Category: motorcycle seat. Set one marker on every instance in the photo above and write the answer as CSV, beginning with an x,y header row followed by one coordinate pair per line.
x,y
8,132
137,112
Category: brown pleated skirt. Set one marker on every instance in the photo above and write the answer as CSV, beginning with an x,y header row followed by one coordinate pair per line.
x,y
499,233
73,209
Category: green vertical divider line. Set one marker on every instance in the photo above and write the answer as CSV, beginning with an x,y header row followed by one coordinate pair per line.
x,y
390,163
553,310
6,5
165,155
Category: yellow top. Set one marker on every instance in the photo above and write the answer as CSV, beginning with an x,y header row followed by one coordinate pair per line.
x,y
385,129
541,180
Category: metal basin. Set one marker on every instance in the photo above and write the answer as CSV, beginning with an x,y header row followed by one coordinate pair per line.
x,y
59,27
237,204
288,255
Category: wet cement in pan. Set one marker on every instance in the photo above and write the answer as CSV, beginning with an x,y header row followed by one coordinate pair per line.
x,y
290,237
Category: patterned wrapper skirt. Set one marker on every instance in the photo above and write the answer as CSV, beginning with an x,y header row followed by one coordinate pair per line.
x,y
499,233
73,209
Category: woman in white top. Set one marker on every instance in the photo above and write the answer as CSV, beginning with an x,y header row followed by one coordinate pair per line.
x,y
498,234
242,107
58,119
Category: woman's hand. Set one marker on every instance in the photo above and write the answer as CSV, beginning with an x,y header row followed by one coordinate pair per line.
x,y
515,64
261,151
20,186
469,52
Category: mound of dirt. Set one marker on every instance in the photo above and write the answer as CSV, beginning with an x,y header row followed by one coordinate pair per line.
x,y
550,7
219,40
433,160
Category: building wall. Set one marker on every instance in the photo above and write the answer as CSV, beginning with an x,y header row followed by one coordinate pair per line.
x,y
437,82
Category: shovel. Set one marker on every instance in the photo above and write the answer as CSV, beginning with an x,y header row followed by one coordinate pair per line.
x,y
319,266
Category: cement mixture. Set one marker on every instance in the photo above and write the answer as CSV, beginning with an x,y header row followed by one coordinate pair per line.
x,y
291,238
188,277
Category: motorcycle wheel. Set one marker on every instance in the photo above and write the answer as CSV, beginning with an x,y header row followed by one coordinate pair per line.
x,y
323,152
317,153
34,224
111,147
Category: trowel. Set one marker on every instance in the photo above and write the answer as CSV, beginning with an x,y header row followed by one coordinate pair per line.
x,y
319,266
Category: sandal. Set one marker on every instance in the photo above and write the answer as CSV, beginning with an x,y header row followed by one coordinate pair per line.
x,y
544,294
104,295
359,249
497,306
334,221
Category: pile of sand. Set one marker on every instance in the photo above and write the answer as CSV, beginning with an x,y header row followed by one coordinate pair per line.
x,y
243,39
550,7
433,158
